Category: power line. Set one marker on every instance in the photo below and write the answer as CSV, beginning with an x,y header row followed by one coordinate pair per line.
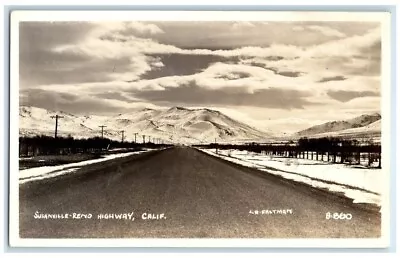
x,y
102,130
56,117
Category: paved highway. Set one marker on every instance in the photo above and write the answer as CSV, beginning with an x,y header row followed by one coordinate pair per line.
x,y
182,192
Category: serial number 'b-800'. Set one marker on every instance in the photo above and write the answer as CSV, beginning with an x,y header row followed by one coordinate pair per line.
x,y
339,216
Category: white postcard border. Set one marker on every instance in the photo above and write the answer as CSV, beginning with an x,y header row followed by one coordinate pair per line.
x,y
18,16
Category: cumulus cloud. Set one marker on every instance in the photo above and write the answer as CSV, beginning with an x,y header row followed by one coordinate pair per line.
x,y
69,102
124,28
333,78
327,31
322,30
77,103
350,50
346,47
192,94
114,66
368,103
118,46
221,75
144,28
244,78
345,96
182,64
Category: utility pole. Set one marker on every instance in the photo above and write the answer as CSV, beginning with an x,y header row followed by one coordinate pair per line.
x,y
135,137
102,130
144,138
122,140
56,117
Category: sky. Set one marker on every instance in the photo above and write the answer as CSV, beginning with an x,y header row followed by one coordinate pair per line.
x,y
276,76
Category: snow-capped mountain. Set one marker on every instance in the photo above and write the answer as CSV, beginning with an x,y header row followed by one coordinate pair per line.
x,y
364,126
369,132
335,126
175,125
33,121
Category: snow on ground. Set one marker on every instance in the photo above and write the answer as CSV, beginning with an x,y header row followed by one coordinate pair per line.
x,y
39,173
26,158
360,184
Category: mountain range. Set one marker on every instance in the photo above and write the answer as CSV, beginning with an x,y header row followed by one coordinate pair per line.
x,y
182,125
173,125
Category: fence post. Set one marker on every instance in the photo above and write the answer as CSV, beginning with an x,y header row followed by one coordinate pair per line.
x,y
369,159
379,157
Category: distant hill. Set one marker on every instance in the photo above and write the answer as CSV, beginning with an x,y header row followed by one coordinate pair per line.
x,y
364,126
334,126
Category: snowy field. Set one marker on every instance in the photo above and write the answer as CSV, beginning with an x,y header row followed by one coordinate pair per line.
x,y
39,173
360,184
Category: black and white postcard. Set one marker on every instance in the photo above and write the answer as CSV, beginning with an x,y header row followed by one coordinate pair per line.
x,y
245,129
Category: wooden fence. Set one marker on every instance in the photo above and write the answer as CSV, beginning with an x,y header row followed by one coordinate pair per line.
x,y
341,152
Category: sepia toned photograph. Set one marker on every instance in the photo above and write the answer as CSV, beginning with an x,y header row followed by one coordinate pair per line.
x,y
202,125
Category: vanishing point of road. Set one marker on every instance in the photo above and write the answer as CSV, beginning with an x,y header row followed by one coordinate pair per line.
x,y
200,196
